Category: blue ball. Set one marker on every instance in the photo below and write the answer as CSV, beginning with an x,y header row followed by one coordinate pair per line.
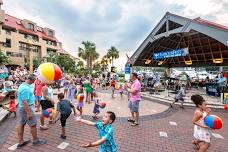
x,y
46,113
209,121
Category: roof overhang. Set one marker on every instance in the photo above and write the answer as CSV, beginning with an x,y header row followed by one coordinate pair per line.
x,y
207,43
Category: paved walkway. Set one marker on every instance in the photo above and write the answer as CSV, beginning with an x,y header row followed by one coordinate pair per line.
x,y
168,131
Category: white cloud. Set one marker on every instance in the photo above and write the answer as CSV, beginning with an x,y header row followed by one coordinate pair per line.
x,y
198,7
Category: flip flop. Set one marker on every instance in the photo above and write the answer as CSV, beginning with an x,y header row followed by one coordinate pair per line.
x,y
23,144
130,120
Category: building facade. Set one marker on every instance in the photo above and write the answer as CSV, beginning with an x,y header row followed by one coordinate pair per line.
x,y
18,37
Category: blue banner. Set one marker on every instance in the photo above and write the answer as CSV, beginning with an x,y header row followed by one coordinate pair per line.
x,y
170,54
127,70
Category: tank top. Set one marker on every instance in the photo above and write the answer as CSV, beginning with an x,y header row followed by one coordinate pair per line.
x,y
50,94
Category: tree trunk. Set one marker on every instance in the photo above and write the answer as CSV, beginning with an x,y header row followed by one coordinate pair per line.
x,y
90,64
87,64
112,62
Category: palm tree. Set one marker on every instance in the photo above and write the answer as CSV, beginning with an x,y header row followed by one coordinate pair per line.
x,y
80,64
88,53
104,62
113,53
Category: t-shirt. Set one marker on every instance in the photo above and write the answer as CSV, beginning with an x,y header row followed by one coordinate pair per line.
x,y
38,88
136,86
113,83
25,92
106,131
12,106
64,107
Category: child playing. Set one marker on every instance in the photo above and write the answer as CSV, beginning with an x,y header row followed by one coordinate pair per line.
x,y
64,108
80,104
121,89
113,86
65,86
202,133
179,97
96,109
12,106
107,142
71,91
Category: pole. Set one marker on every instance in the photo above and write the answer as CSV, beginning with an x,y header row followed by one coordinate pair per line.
x,y
30,60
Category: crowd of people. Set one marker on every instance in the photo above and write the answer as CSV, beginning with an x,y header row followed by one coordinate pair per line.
x,y
35,96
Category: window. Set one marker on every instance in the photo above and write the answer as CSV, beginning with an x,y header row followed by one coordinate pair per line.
x,y
33,37
50,33
30,26
8,32
35,49
8,43
22,46
14,54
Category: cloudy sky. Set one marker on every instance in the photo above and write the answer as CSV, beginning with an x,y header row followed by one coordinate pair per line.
x,y
120,23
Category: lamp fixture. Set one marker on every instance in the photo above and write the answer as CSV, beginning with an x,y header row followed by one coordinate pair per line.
x,y
188,62
147,61
160,62
218,60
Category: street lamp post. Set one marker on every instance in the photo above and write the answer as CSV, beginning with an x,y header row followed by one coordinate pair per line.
x,y
30,43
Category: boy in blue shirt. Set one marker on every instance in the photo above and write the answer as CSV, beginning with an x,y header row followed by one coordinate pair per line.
x,y
107,142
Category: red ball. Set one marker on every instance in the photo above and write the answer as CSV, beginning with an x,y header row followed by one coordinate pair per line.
x,y
226,107
102,104
58,72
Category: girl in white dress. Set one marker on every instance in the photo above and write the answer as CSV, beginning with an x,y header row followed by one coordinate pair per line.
x,y
202,133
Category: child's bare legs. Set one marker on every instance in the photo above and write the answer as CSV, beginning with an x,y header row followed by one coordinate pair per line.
x,y
113,93
80,110
196,143
65,92
203,146
121,95
182,102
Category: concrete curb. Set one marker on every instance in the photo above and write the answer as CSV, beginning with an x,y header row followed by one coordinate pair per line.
x,y
187,104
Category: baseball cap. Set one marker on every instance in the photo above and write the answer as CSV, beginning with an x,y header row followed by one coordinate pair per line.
x,y
31,77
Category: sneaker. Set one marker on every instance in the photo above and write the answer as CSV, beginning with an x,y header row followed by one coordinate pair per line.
x,y
23,144
44,127
39,142
63,136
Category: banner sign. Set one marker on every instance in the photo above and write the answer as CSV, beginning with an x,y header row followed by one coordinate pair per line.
x,y
170,54
127,70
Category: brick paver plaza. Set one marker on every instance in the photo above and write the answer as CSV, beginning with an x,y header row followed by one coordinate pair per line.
x,y
161,130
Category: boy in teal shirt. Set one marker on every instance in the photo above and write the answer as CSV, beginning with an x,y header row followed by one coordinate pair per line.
x,y
107,142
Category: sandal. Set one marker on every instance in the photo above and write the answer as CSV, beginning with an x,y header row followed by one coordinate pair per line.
x,y
23,144
130,120
134,124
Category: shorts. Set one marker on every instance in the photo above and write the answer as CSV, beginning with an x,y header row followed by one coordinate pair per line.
x,y
45,104
38,98
113,88
63,119
80,105
134,106
24,119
